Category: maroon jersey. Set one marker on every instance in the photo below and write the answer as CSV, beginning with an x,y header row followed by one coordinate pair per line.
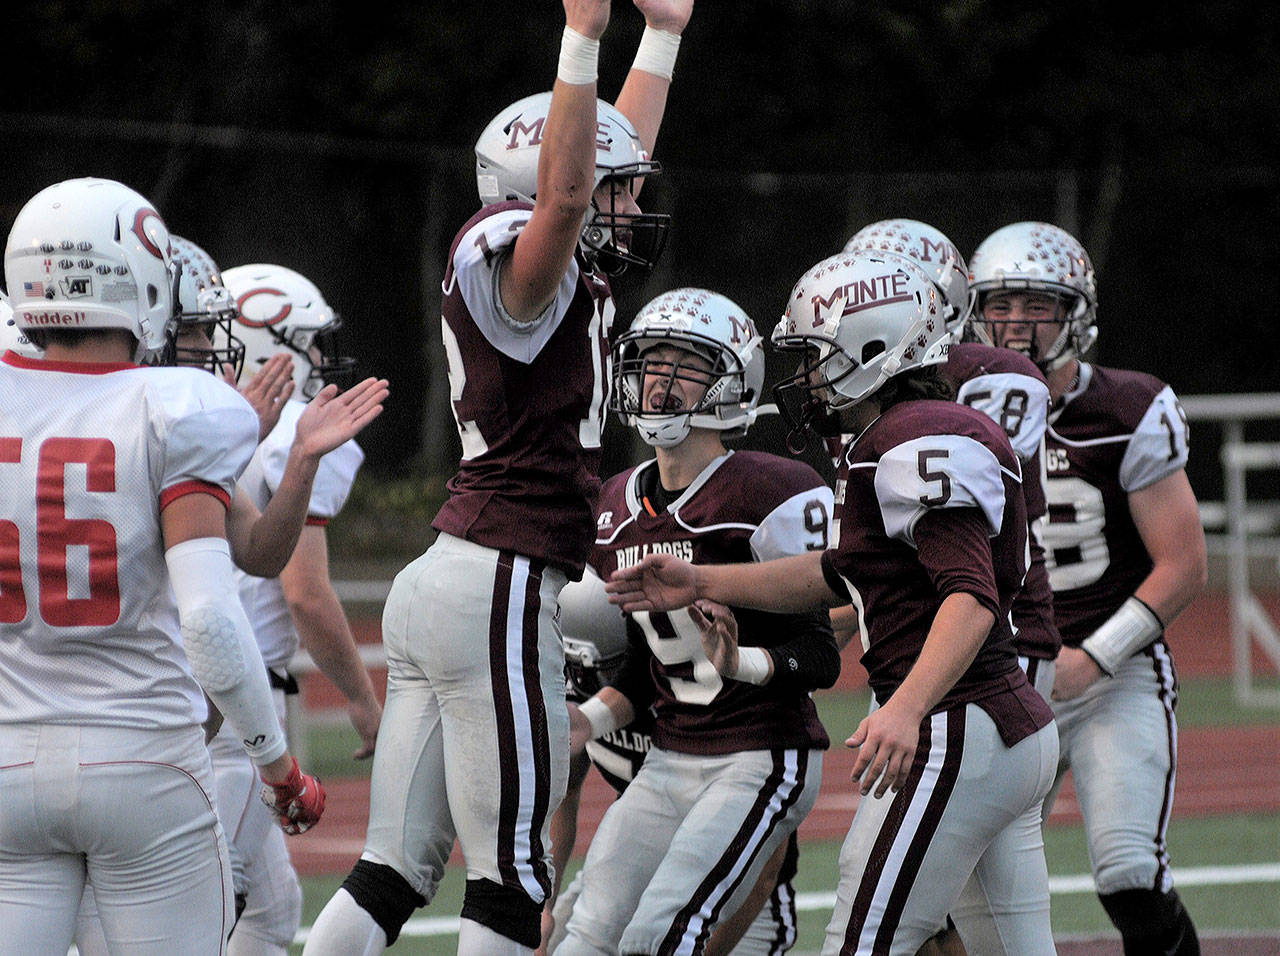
x,y
529,401
745,506
929,503
1009,388
1115,432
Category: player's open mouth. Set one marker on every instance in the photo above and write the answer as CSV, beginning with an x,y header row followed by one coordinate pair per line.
x,y
666,403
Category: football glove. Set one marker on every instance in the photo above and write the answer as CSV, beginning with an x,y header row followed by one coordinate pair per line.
x,y
297,803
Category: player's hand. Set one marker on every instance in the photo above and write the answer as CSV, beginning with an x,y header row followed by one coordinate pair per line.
x,y
588,17
886,742
365,718
579,730
658,583
268,390
1073,674
719,635
332,419
297,801
670,15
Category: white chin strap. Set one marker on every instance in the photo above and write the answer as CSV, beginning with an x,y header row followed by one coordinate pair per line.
x,y
663,432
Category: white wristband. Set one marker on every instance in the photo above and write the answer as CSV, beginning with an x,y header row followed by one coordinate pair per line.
x,y
753,665
1131,628
579,57
599,716
656,53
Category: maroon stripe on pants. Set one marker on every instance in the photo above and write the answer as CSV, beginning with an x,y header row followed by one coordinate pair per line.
x,y
1167,682
538,724
738,847
508,758
929,821
889,828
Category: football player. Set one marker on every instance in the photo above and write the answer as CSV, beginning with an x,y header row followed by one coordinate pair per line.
x,y
1009,388
277,311
261,543
929,548
1126,553
474,739
117,594
689,837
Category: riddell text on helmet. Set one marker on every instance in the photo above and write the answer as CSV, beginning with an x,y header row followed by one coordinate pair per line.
x,y
54,318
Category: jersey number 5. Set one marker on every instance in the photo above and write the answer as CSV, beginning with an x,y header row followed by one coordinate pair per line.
x,y
57,535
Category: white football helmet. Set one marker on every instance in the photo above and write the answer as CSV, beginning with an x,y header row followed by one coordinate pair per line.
x,y
12,338
705,324
204,302
507,169
860,318
933,251
279,310
1039,257
92,254
594,631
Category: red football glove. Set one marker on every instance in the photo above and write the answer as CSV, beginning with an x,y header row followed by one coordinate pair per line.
x,y
297,803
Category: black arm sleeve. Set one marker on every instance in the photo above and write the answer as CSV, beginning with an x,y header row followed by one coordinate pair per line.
x,y
805,656
634,680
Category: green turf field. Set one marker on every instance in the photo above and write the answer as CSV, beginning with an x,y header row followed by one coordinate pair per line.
x,y
1227,867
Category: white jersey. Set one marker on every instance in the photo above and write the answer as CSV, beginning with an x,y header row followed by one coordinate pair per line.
x,y
263,598
89,455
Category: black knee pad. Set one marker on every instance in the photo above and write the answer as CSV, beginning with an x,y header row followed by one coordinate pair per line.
x,y
1152,923
384,894
507,912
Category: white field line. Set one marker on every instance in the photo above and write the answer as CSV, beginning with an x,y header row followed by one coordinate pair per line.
x,y
1058,885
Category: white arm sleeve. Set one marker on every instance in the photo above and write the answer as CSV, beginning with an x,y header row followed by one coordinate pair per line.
x,y
220,646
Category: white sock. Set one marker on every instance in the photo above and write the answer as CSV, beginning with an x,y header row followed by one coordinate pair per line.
x,y
345,928
476,939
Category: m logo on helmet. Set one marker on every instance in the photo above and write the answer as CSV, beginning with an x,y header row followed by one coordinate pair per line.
x,y
942,251
742,330
533,132
260,308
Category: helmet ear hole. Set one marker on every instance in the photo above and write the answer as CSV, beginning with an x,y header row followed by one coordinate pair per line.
x,y
153,296
871,349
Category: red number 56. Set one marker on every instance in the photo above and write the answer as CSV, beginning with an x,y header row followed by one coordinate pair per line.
x,y
55,533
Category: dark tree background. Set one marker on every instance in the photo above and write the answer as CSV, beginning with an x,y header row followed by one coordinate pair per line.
x,y
336,139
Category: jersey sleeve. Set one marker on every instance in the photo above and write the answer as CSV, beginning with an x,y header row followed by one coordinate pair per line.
x,y
477,261
935,472
801,523
1159,445
210,431
1019,404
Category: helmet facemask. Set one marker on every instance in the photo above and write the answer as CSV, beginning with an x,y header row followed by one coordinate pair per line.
x,y
223,349
616,240
318,348
807,400
662,416
1075,336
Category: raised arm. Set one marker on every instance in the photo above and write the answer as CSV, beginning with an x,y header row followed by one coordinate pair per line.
x,y
566,170
643,99
263,542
